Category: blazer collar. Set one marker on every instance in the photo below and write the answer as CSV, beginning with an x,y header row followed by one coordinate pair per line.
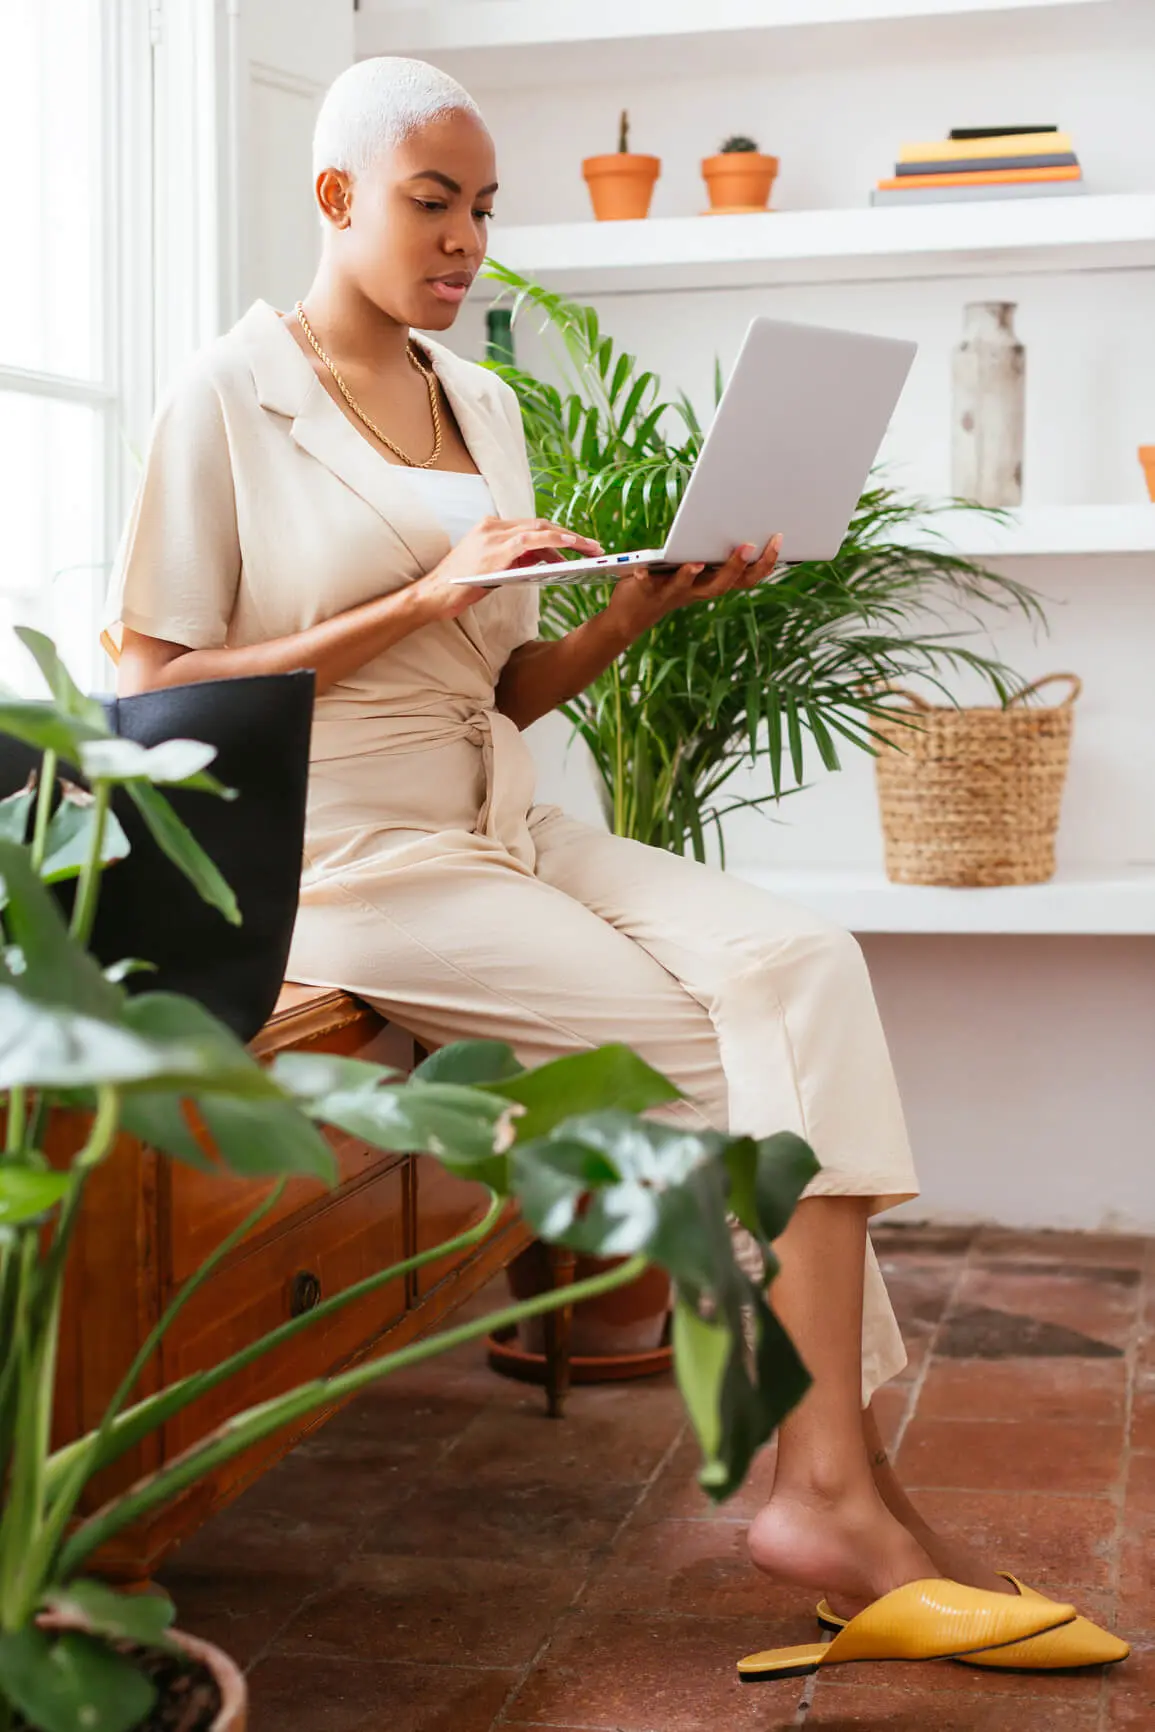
x,y
287,385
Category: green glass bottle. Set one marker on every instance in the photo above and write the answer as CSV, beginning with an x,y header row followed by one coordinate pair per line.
x,y
499,335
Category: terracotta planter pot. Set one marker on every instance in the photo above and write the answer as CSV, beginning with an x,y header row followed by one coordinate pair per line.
x,y
628,1320
230,1681
226,1674
739,181
621,186
1147,459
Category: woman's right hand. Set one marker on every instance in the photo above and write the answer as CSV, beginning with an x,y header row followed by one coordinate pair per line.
x,y
494,544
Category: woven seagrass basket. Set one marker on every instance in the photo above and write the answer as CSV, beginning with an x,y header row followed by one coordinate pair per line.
x,y
971,797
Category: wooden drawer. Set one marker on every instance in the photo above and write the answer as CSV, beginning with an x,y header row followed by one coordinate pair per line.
x,y
445,1205
358,1231
205,1206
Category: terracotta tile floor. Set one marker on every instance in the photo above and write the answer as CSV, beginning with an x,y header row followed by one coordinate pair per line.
x,y
443,1558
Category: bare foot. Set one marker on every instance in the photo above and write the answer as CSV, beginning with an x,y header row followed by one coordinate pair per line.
x,y
947,1557
852,1550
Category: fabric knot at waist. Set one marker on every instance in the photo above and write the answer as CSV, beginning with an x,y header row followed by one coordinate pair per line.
x,y
509,782
372,736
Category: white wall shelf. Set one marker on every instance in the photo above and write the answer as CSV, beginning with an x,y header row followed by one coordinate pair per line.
x,y
1107,901
1046,532
498,42
1106,231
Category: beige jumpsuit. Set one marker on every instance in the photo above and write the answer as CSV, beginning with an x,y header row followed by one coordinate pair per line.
x,y
434,885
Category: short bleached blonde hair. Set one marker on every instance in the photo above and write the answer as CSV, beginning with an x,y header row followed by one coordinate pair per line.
x,y
375,104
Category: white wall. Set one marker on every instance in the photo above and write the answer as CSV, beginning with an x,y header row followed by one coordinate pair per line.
x,y
1026,1072
1026,1064
286,54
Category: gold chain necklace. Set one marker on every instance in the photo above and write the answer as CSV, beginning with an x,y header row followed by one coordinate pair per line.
x,y
427,374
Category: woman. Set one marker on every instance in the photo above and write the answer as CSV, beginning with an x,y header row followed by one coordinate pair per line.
x,y
314,484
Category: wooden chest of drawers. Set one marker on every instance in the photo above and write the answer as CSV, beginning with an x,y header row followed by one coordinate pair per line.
x,y
148,1221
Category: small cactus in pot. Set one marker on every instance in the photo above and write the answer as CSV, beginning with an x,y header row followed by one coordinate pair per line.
x,y
739,177
622,185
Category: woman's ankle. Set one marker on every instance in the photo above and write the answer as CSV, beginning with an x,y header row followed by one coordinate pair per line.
x,y
826,1485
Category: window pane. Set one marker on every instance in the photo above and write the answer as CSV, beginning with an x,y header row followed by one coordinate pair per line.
x,y
52,563
51,141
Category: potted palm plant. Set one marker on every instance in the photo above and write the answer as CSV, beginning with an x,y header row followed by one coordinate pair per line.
x,y
565,1140
739,178
622,185
807,657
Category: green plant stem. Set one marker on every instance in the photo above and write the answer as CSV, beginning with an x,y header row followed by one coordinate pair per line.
x,y
87,1461
155,1410
241,1433
88,890
17,1120
619,780
10,1275
177,1304
22,1553
22,1505
101,1138
45,789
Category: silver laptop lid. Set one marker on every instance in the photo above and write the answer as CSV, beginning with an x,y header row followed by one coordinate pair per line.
x,y
792,443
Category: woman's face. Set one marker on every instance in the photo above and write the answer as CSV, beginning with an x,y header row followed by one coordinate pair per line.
x,y
415,237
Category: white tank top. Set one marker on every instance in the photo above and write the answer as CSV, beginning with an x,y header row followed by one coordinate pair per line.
x,y
457,501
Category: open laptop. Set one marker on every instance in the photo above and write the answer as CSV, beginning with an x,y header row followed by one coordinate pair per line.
x,y
789,451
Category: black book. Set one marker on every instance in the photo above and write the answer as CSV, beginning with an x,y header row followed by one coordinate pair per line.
x,y
995,131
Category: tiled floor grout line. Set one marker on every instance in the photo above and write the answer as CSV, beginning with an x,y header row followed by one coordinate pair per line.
x,y
1123,1481
1011,1493
648,1484
806,1700
327,1585
919,1380
602,1552
330,1581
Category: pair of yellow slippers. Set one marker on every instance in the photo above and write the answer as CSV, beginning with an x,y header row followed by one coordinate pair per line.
x,y
943,1620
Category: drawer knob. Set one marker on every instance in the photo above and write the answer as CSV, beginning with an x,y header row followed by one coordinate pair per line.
x,y
305,1293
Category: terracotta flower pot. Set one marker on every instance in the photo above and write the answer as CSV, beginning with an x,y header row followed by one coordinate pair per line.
x,y
226,1674
621,186
230,1681
1147,459
626,1320
739,181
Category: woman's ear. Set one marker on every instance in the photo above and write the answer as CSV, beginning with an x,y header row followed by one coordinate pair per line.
x,y
334,191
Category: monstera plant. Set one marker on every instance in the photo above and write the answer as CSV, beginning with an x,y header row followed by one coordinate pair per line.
x,y
568,1140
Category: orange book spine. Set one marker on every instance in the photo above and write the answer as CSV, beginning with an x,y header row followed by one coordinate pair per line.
x,y
1002,177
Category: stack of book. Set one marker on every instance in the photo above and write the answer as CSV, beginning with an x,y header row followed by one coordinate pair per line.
x,y
984,163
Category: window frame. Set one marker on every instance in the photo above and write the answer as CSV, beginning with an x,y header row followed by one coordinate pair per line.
x,y
121,393
164,255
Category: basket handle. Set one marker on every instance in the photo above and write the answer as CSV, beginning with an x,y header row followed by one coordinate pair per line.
x,y
912,698
920,704
1073,681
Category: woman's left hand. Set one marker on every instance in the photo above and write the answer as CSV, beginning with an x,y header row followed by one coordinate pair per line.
x,y
644,597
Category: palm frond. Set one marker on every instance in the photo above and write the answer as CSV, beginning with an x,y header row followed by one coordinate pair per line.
x,y
754,675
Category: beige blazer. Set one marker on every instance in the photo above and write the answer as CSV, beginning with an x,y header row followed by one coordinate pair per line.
x,y
262,510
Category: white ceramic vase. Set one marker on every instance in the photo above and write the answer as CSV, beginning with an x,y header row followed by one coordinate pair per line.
x,y
990,367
